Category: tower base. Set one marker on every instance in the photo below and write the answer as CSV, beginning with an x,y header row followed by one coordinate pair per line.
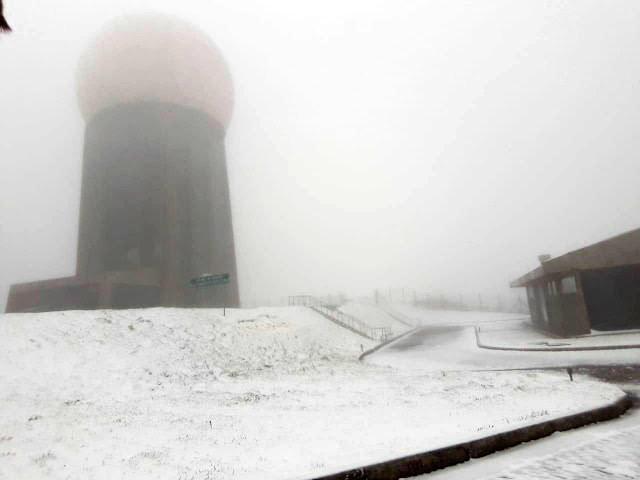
x,y
111,290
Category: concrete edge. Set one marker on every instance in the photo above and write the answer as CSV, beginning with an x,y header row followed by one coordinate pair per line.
x,y
609,333
429,461
549,349
387,342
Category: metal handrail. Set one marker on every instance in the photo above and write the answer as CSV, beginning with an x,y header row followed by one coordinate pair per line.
x,y
375,333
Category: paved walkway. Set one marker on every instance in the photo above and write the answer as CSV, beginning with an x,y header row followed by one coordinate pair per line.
x,y
613,457
603,450
522,335
450,348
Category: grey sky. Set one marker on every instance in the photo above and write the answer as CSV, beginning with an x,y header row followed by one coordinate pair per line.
x,y
439,145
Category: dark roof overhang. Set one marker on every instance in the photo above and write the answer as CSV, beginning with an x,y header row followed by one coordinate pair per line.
x,y
623,249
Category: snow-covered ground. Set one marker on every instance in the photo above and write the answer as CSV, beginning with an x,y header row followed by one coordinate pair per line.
x,y
426,317
605,450
259,394
599,451
522,335
612,457
373,315
454,348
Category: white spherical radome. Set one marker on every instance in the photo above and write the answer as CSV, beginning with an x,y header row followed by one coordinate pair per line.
x,y
154,57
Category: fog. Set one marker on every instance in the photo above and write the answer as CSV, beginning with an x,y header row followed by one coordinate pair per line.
x,y
439,145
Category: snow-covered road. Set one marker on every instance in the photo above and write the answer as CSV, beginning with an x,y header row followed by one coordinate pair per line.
x,y
454,348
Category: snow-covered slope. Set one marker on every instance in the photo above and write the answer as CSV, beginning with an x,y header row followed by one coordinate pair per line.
x,y
374,316
176,344
260,394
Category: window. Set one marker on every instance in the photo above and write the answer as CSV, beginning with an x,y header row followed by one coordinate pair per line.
x,y
569,284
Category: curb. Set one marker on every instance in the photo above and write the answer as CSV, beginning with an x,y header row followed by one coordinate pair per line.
x,y
387,342
550,349
425,462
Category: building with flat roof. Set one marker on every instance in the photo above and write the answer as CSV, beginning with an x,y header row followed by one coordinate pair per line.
x,y
593,288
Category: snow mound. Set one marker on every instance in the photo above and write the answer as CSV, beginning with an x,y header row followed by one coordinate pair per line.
x,y
177,345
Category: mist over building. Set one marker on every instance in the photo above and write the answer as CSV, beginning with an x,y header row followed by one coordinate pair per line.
x,y
157,97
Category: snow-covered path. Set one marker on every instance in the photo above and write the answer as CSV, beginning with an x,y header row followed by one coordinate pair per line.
x,y
433,318
454,348
606,450
614,456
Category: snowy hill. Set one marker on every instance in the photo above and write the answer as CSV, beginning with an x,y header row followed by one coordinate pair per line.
x,y
260,394
171,343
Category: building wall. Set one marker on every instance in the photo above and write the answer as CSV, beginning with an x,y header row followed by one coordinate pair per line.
x,y
51,298
155,194
557,305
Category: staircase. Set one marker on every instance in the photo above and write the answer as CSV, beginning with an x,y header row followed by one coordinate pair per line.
x,y
345,320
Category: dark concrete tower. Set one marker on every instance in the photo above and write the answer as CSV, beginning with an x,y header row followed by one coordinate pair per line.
x,y
157,97
155,211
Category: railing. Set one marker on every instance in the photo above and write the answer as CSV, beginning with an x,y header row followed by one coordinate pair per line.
x,y
344,319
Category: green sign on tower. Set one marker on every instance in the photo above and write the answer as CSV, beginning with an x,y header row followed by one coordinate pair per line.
x,y
208,279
